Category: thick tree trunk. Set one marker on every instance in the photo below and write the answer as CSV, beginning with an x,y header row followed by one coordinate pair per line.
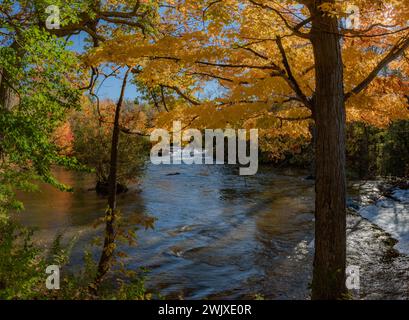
x,y
111,214
330,204
311,149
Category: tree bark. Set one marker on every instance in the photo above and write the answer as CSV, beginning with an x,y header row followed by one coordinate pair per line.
x,y
6,92
111,214
8,97
311,149
330,203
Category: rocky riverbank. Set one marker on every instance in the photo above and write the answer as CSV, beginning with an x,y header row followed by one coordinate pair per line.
x,y
378,234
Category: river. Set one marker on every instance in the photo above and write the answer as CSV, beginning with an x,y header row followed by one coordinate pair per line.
x,y
221,235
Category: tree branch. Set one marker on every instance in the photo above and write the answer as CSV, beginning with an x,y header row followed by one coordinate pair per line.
x,y
183,95
209,75
395,52
290,77
130,132
163,98
240,66
295,30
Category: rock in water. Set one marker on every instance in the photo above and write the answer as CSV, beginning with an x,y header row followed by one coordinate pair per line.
x,y
102,188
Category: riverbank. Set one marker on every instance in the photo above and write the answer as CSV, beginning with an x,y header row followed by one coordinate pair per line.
x,y
378,240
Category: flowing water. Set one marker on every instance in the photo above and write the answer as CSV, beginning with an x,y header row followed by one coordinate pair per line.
x,y
217,234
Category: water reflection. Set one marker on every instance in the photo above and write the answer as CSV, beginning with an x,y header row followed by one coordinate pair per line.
x,y
218,234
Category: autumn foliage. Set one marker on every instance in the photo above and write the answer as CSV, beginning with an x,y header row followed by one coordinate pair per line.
x,y
232,48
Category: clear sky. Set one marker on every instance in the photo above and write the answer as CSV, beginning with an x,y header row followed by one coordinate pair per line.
x,y
111,87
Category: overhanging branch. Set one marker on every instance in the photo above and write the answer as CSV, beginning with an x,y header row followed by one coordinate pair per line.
x,y
395,52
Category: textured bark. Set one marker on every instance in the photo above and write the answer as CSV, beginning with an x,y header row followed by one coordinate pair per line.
x,y
311,149
330,204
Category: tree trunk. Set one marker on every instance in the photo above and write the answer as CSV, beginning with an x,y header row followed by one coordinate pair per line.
x,y
6,92
311,150
8,97
111,214
330,203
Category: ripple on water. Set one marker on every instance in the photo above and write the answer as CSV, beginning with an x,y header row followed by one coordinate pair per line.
x,y
221,235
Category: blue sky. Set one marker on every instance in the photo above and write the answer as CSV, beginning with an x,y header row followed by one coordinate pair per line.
x,y
111,87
